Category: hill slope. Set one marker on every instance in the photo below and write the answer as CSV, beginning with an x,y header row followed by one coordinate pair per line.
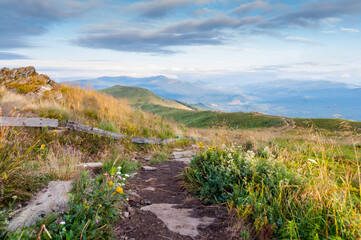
x,y
138,95
241,120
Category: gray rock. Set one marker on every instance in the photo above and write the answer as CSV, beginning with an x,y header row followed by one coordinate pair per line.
x,y
152,189
183,160
179,220
149,168
134,197
51,199
183,154
151,181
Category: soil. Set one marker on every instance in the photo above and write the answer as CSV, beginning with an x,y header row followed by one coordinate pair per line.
x,y
145,225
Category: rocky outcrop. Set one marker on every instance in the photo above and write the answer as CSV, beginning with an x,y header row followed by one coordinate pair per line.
x,y
26,80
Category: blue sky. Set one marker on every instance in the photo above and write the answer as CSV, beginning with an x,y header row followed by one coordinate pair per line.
x,y
222,41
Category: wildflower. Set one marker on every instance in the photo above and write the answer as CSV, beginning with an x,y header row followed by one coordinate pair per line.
x,y
5,176
110,183
119,190
118,173
119,168
62,223
126,175
120,177
201,145
105,174
42,146
311,160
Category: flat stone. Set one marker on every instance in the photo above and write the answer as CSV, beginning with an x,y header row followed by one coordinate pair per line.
x,y
133,175
151,181
178,220
150,189
178,149
134,197
53,199
149,168
183,154
183,160
90,165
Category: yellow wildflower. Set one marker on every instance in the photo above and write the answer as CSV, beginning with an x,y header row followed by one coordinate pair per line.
x,y
5,176
110,183
119,190
201,145
42,146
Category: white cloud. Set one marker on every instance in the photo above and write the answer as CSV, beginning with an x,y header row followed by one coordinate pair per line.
x,y
346,75
354,30
301,39
329,32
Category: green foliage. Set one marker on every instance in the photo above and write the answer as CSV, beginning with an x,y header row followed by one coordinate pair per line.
x,y
107,126
54,114
159,157
279,201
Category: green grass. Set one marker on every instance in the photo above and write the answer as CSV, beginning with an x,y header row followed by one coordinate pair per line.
x,y
280,191
206,119
137,95
328,124
159,157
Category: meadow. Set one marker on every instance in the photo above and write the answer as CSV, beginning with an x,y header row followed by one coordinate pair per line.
x,y
284,182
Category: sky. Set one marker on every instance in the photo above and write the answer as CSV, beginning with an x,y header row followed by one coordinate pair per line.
x,y
223,42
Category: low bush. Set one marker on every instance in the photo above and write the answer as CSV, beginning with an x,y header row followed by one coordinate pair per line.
x,y
283,199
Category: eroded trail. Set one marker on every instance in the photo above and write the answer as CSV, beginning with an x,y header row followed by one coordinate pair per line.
x,y
161,209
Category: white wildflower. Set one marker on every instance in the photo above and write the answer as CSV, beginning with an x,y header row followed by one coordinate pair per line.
x,y
311,160
62,223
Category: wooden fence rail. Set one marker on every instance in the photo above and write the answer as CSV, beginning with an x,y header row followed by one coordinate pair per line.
x,y
46,122
28,122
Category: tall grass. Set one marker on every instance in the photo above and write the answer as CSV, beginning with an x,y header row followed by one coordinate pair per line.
x,y
293,189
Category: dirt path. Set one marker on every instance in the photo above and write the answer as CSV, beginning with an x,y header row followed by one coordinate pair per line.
x,y
161,209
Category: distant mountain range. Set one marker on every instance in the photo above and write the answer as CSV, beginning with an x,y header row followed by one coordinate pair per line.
x,y
308,99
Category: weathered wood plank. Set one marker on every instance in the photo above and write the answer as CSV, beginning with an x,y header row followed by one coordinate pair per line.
x,y
93,130
146,140
167,141
28,122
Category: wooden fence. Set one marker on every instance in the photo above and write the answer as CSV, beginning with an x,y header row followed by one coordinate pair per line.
x,y
28,122
54,123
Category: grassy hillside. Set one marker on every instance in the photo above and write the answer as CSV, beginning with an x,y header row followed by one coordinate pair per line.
x,y
205,119
31,157
210,118
137,95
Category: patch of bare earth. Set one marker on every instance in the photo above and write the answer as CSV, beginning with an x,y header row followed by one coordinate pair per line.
x,y
161,209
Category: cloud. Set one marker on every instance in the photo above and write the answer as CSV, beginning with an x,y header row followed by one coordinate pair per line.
x,y
313,14
11,56
186,33
159,8
23,18
301,39
257,5
329,31
353,30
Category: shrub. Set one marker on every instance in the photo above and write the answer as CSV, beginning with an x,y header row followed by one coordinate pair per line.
x,y
271,193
